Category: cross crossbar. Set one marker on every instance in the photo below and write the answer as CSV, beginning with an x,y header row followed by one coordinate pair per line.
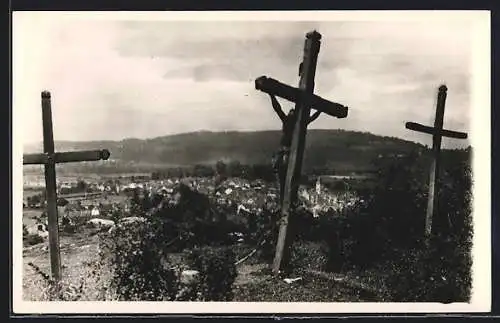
x,y
432,131
66,157
290,93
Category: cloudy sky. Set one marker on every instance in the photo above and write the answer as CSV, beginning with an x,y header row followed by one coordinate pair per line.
x,y
114,79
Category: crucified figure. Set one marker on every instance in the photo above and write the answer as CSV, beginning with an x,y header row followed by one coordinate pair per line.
x,y
280,163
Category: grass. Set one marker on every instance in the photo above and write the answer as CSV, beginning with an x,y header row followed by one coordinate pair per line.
x,y
80,269
260,286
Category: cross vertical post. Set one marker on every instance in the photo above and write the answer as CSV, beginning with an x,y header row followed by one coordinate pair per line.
x,y
292,181
436,149
49,158
51,187
437,133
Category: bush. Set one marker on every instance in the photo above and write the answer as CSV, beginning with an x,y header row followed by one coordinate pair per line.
x,y
438,274
393,214
32,239
266,233
307,255
62,202
140,267
217,272
389,229
139,253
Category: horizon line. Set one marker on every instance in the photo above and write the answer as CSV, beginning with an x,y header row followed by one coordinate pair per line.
x,y
229,131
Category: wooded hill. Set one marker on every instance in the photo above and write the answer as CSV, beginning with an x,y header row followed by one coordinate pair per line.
x,y
334,150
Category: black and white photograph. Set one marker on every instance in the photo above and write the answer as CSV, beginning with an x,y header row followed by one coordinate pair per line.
x,y
251,162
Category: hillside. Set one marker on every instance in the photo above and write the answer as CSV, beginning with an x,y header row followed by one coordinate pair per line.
x,y
333,149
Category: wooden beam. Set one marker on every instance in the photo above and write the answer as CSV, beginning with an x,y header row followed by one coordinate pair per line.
x,y
431,131
84,155
272,86
50,187
35,159
432,201
292,182
67,157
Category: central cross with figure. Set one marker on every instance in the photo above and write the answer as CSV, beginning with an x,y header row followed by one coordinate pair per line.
x,y
294,132
49,158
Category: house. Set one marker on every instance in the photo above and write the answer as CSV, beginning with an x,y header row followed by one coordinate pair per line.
x,y
95,211
131,186
318,185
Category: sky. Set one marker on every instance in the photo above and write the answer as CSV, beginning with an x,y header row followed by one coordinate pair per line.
x,y
130,78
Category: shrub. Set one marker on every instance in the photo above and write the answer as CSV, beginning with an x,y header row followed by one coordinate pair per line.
x,y
306,255
266,233
140,268
32,239
217,272
438,274
390,227
62,202
138,253
188,217
394,211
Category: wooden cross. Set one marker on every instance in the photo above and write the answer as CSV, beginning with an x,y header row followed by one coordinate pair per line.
x,y
437,133
50,158
304,100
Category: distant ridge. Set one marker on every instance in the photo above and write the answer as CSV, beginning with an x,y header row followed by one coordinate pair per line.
x,y
337,149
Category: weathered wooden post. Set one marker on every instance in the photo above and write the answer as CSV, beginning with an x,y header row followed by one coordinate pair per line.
x,y
437,133
304,100
50,158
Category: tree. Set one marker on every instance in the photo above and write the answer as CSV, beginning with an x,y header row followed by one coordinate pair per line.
x,y
263,171
394,210
221,168
395,206
203,171
81,186
62,202
234,168
35,200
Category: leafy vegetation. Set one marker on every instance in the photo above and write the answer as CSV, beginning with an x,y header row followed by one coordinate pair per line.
x,y
218,272
386,231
